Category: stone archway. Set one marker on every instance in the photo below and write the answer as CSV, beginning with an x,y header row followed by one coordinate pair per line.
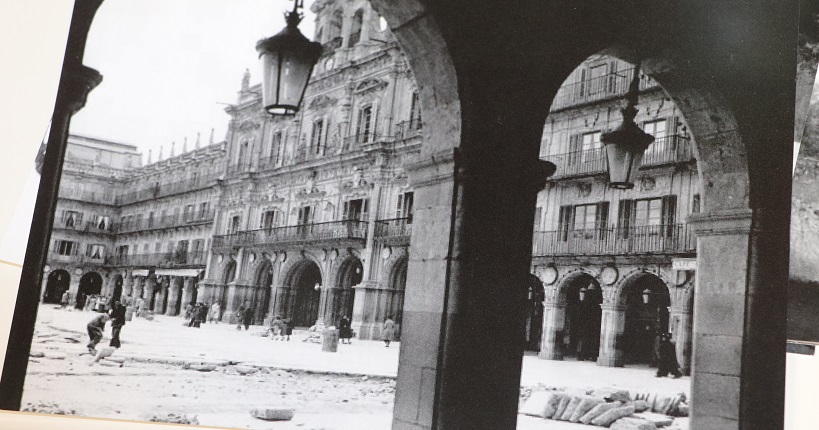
x,y
263,287
58,283
305,280
571,325
394,307
90,284
645,302
350,274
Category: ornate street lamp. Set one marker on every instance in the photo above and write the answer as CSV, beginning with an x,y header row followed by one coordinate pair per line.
x,y
626,144
646,296
287,63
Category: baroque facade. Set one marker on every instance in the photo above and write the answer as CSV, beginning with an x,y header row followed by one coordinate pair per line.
x,y
309,217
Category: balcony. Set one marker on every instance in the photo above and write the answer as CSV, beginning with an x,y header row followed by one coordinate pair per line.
x,y
162,189
603,87
408,129
396,231
669,150
666,150
333,232
104,198
640,240
160,259
88,227
167,221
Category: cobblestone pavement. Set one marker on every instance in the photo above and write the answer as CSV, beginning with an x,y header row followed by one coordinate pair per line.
x,y
166,342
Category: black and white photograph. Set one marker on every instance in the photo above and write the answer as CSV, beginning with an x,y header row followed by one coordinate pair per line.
x,y
367,214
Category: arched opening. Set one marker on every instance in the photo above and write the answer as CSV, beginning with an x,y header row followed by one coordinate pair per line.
x,y
395,304
334,28
647,302
350,275
57,284
220,296
263,290
355,28
306,283
581,326
117,294
90,284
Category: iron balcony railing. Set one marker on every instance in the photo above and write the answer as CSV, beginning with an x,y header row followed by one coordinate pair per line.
x,y
160,259
165,189
651,239
408,129
599,88
349,229
669,150
393,228
167,221
105,198
665,150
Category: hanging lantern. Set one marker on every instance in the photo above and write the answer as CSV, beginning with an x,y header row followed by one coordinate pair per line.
x,y
583,294
626,144
646,296
287,63
317,286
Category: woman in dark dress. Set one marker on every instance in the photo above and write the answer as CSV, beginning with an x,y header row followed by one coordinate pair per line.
x,y
117,321
345,332
247,318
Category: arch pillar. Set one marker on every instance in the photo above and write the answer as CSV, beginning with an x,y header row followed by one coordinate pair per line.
x,y
740,316
554,319
43,285
74,288
187,293
161,295
281,299
611,330
138,284
173,295
682,324
148,291
366,318
127,285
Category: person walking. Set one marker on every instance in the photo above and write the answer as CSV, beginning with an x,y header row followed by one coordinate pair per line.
x,y
345,332
117,314
667,355
240,316
64,300
388,331
95,329
247,318
202,314
288,327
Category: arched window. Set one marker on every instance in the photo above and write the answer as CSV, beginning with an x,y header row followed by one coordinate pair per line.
x,y
355,30
334,27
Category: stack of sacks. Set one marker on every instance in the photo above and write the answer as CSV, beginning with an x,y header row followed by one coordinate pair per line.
x,y
599,408
674,406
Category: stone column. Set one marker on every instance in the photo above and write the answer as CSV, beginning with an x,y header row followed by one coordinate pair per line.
x,y
127,285
161,294
279,304
365,310
173,295
681,318
138,287
740,317
326,301
187,294
148,291
43,285
73,288
466,301
613,323
554,319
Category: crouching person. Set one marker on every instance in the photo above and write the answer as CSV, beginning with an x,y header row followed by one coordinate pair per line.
x,y
95,329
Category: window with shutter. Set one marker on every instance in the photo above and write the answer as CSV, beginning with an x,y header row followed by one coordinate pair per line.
x,y
566,218
695,204
624,218
575,148
602,221
669,214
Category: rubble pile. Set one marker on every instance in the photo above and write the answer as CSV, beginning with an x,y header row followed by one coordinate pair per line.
x,y
617,409
48,408
174,419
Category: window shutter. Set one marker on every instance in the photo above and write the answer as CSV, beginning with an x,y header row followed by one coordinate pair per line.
x,y
669,212
566,215
601,223
575,147
624,214
365,210
538,218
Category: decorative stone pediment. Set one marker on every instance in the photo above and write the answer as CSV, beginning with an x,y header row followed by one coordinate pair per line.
x,y
322,101
370,85
249,126
357,182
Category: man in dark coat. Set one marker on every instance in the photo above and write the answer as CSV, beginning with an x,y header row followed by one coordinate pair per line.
x,y
247,318
667,355
117,321
345,332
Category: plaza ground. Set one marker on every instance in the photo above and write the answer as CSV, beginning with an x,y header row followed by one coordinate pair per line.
x,y
349,389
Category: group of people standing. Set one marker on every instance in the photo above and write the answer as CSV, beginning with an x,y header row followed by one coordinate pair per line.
x,y
281,329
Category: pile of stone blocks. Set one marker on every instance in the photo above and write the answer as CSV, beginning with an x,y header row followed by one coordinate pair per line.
x,y
617,409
